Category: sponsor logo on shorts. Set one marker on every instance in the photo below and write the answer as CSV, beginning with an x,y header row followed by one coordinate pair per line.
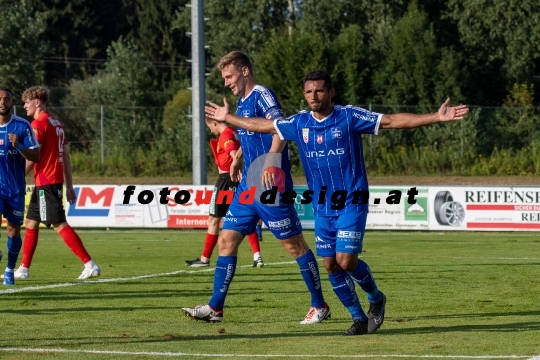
x,y
349,234
285,233
324,246
279,224
18,213
318,239
230,219
42,206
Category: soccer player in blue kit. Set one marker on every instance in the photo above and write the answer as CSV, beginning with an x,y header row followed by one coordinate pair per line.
x,y
330,148
17,144
258,101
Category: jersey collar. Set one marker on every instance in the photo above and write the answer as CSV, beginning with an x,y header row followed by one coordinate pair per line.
x,y
248,95
323,119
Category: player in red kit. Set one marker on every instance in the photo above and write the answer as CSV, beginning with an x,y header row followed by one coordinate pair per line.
x,y
46,203
225,150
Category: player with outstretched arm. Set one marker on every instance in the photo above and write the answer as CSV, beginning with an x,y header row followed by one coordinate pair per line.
x,y
330,148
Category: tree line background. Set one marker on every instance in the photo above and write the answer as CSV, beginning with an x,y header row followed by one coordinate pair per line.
x,y
126,61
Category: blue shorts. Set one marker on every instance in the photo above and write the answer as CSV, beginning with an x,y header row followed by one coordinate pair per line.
x,y
13,209
282,220
343,233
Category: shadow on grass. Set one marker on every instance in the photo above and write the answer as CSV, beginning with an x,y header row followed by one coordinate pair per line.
x,y
470,316
222,335
511,327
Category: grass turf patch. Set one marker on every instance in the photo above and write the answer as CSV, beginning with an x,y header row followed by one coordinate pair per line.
x,y
449,294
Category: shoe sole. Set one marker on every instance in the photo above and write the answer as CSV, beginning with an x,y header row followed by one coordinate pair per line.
x,y
91,276
260,265
188,314
17,277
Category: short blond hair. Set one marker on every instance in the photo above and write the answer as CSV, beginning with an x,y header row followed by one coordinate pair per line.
x,y
36,93
236,58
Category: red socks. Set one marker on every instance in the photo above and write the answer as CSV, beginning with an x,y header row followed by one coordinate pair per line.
x,y
73,241
29,246
209,245
253,239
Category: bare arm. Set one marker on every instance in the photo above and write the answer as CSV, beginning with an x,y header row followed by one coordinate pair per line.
x,y
68,177
409,121
221,113
236,166
29,167
27,153
277,144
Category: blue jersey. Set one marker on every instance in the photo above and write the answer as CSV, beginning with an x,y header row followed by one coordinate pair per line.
x,y
12,163
261,102
331,153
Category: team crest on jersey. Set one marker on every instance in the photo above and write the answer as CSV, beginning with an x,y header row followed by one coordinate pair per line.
x,y
245,113
336,132
1,141
305,134
320,139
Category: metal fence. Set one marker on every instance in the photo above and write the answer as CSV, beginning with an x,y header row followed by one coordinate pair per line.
x,y
104,133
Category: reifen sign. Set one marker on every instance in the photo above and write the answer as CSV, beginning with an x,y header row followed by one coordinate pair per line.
x,y
485,208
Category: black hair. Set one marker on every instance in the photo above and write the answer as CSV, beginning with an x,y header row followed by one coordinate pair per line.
x,y
319,75
6,90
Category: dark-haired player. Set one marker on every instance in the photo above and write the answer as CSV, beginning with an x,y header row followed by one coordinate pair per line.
x,y
330,148
17,144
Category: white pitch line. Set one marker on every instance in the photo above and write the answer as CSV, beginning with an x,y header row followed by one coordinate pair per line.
x,y
318,356
101,281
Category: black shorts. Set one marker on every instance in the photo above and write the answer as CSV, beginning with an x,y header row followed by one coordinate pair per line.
x,y
223,182
47,204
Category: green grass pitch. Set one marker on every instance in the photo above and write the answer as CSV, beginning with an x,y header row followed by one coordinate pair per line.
x,y
450,295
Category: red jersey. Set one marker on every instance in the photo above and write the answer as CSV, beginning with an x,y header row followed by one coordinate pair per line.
x,y
50,135
222,147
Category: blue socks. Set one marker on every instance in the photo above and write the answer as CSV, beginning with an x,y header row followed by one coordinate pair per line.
x,y
362,275
310,272
225,268
14,248
343,286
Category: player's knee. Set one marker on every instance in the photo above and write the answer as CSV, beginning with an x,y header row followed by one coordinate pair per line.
x,y
296,245
13,230
59,226
213,222
31,224
347,261
228,243
331,265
